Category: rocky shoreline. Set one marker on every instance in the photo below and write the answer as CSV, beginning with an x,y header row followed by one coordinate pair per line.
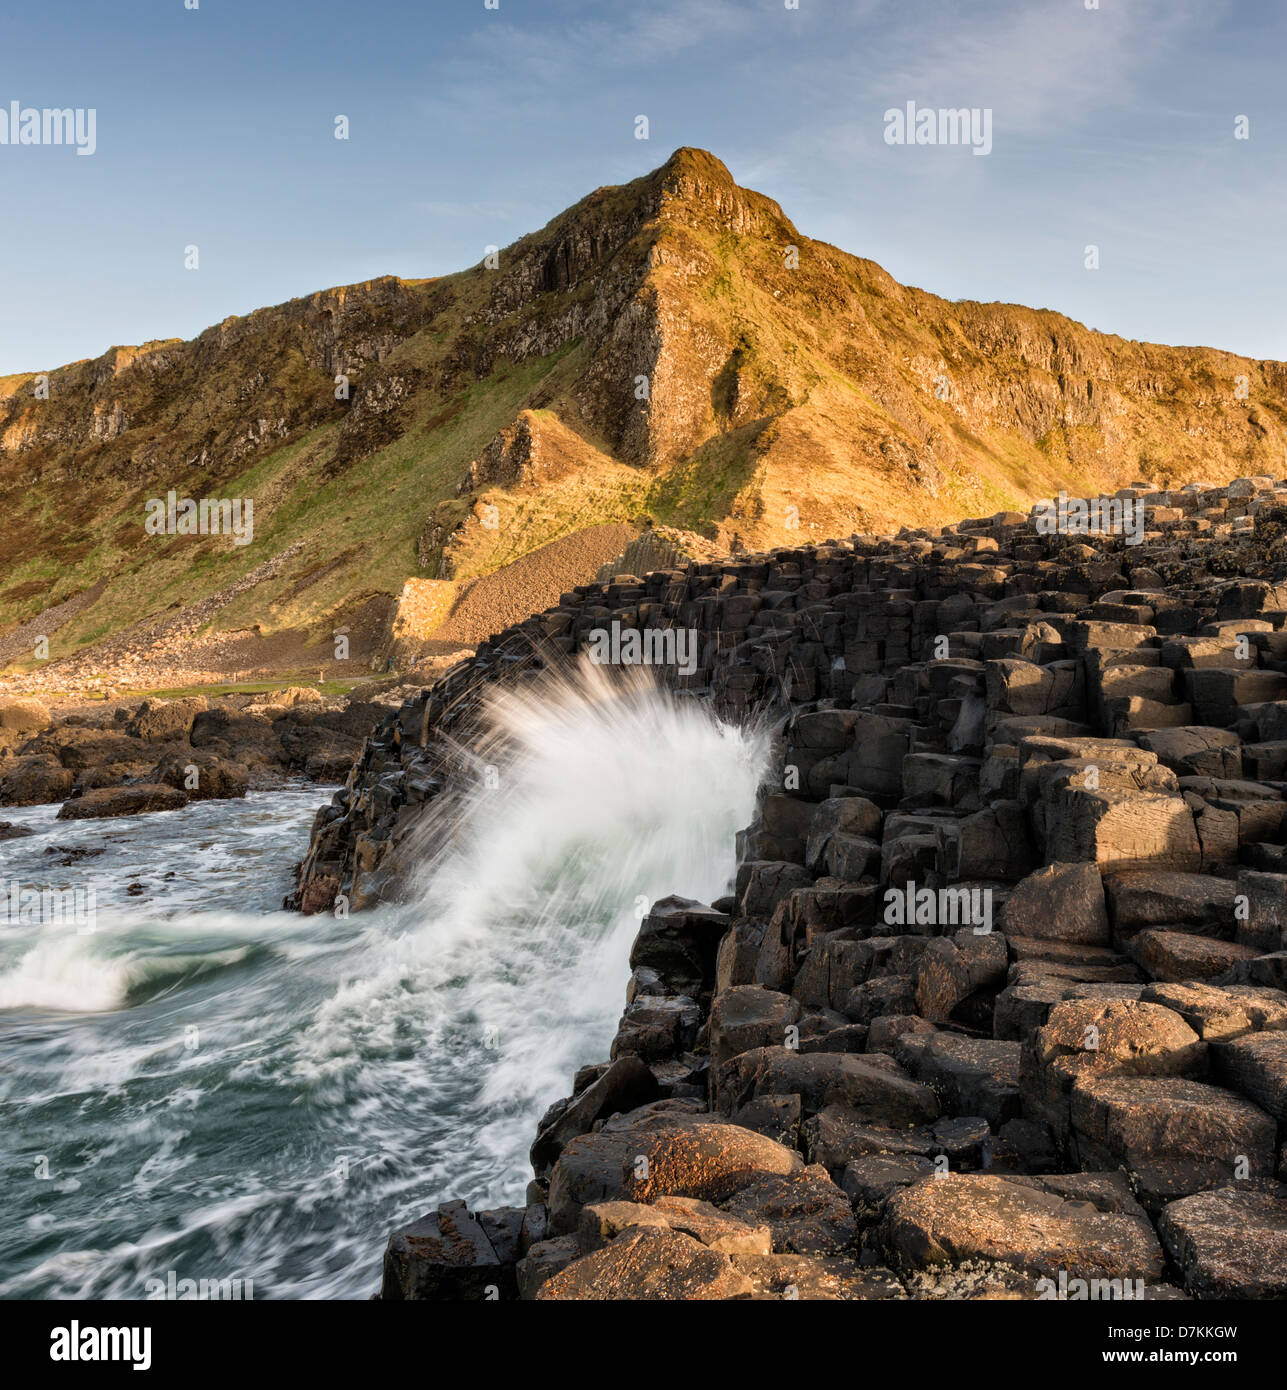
x,y
130,757
998,1007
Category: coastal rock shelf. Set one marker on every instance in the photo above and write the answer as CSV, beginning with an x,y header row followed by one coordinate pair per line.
x,y
998,1006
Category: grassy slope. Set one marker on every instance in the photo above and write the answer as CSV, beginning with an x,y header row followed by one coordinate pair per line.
x,y
820,385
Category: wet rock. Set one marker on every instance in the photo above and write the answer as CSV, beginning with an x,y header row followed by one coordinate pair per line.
x,y
679,939
203,776
319,894
851,858
784,829
74,854
749,1016
35,781
762,885
623,1085
833,966
874,1086
657,1026
451,1254
876,757
123,801
738,954
849,815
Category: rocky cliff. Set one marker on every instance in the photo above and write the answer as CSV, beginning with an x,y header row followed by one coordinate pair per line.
x,y
672,350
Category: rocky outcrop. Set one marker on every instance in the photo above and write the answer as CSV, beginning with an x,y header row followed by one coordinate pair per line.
x,y
123,801
20,718
997,1005
160,754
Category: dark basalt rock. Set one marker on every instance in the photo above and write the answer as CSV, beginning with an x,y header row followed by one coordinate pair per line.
x,y
624,1085
202,775
1087,1077
451,1254
123,801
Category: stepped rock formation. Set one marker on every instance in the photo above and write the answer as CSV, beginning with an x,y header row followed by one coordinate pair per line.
x,y
672,350
998,1006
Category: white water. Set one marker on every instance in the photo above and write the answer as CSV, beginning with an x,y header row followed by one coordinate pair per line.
x,y
349,1073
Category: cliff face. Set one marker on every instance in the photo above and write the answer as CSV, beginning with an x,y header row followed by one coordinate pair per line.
x,y
673,348
211,401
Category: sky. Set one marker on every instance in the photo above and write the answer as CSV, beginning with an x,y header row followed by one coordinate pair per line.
x,y
1112,126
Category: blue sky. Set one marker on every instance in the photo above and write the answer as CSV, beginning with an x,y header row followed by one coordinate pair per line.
x,y
469,126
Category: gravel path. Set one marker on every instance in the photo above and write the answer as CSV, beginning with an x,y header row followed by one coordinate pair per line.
x,y
533,583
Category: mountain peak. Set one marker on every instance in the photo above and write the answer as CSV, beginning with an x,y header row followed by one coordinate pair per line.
x,y
689,161
702,181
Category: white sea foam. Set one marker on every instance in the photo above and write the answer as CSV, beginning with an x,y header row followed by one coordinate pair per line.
x,y
203,1069
592,798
